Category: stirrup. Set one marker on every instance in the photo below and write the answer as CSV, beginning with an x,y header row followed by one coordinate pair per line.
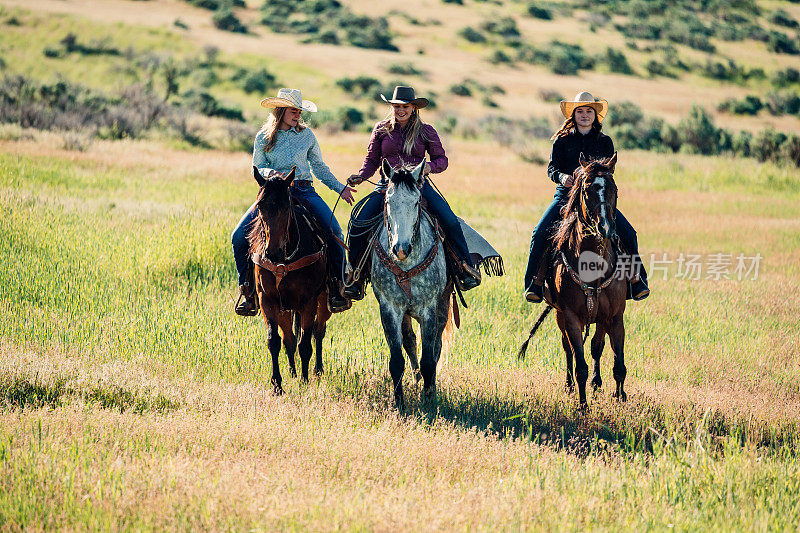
x,y
468,277
245,304
534,293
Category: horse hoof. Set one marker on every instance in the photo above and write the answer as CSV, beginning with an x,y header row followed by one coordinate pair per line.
x,y
417,377
428,393
621,396
569,388
293,372
277,390
597,384
318,372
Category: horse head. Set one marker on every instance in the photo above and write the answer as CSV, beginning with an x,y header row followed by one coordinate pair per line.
x,y
402,209
598,193
274,204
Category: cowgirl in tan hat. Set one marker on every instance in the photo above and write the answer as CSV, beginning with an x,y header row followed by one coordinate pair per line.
x,y
283,142
580,133
403,139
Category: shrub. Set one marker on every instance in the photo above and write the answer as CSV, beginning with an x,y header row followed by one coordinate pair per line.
x,y
540,12
258,81
783,103
741,143
460,89
349,118
617,62
204,103
782,18
698,132
624,113
767,144
786,77
749,105
498,56
404,69
655,68
550,95
224,19
780,43
359,86
505,27
472,35
790,149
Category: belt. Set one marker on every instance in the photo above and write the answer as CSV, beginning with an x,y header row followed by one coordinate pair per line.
x,y
303,183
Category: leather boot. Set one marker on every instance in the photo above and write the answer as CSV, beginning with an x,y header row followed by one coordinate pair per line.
x,y
467,277
337,302
356,288
639,289
535,292
246,303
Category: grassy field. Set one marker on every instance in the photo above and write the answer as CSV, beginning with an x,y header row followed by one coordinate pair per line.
x,y
133,397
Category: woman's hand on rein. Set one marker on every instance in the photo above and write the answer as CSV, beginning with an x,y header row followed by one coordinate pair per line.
x,y
347,194
567,180
354,180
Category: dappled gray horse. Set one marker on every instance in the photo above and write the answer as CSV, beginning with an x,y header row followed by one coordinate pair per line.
x,y
409,278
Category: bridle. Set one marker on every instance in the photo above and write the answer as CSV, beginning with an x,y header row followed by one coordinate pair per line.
x,y
280,268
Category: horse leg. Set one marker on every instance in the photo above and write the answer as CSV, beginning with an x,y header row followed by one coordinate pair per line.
x,y
575,337
306,333
431,333
410,346
290,345
617,336
392,329
569,387
320,327
598,343
274,345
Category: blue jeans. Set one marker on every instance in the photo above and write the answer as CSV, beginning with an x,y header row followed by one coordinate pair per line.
x,y
319,209
548,224
437,206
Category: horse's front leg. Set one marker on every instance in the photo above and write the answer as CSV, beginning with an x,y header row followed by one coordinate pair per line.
x,y
410,346
289,339
575,337
617,336
431,327
307,316
569,386
598,343
392,318
274,345
320,327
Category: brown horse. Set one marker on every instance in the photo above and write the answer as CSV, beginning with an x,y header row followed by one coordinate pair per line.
x,y
585,284
290,275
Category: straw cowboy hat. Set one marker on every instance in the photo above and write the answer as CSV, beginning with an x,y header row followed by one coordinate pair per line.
x,y
289,98
405,95
585,99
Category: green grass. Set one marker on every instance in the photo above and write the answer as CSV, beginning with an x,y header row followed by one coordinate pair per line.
x,y
116,310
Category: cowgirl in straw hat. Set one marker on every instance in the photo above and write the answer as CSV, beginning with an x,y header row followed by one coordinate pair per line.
x,y
283,142
403,139
580,133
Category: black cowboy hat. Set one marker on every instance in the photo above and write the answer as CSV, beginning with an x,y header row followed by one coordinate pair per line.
x,y
405,95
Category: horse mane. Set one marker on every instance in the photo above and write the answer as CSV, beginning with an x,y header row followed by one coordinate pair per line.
x,y
256,235
404,176
569,233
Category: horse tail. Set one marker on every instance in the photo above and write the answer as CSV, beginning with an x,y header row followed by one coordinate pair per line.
x,y
452,324
524,347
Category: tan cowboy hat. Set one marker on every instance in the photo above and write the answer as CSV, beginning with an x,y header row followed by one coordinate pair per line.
x,y
405,95
289,98
585,99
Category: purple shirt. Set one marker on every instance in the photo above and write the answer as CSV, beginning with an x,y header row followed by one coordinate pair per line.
x,y
389,146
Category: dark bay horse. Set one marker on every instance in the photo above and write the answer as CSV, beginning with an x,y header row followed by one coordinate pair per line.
x,y
290,275
586,286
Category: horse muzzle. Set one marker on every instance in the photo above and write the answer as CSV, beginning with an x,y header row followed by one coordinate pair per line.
x,y
401,251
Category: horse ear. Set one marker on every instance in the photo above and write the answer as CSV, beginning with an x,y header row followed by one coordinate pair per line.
x,y
581,160
417,172
612,162
259,178
290,177
387,169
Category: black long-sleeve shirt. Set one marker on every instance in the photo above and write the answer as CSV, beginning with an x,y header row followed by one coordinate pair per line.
x,y
566,149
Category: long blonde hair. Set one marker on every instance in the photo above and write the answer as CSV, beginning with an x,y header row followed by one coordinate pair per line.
x,y
413,129
270,127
